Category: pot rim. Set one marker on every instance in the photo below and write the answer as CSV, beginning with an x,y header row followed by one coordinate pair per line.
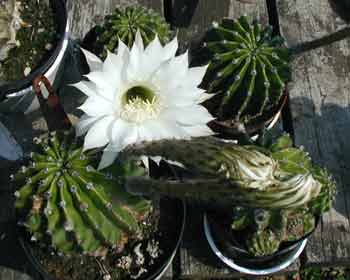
x,y
155,276
259,272
268,119
48,67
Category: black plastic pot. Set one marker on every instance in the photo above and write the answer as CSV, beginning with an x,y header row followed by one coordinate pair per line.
x,y
50,66
233,254
179,226
229,130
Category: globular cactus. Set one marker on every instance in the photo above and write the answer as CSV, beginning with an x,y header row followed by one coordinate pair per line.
x,y
263,243
10,23
124,23
65,201
248,70
266,230
252,176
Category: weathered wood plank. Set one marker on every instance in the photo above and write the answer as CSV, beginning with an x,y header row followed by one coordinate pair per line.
x,y
85,14
305,21
320,94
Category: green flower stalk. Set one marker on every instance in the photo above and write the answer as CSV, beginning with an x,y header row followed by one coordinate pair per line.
x,y
248,69
124,23
68,203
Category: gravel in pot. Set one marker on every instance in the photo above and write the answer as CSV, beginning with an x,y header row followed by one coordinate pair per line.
x,y
32,41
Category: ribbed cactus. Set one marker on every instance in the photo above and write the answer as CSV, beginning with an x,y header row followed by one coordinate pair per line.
x,y
10,22
124,23
252,176
263,243
265,230
248,69
68,203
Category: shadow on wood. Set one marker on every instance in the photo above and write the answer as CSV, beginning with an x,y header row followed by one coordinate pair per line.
x,y
325,133
184,10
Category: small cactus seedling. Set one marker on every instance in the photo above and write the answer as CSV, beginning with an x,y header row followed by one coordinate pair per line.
x,y
68,203
264,231
124,23
248,70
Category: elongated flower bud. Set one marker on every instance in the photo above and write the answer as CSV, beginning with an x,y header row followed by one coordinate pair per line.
x,y
245,175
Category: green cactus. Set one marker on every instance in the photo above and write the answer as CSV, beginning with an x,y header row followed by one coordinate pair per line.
x,y
277,191
251,176
263,243
70,204
248,69
124,23
266,230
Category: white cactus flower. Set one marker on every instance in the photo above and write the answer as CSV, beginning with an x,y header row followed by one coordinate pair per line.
x,y
141,94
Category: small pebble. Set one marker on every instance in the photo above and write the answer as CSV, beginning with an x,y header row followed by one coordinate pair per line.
x,y
27,71
48,46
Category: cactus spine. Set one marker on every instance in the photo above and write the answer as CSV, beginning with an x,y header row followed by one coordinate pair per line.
x,y
248,69
124,23
70,204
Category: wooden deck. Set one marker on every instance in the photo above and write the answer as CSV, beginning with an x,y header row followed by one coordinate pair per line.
x,y
318,116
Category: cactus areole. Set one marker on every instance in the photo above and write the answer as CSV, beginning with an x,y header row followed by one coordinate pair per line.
x,y
66,203
32,36
248,71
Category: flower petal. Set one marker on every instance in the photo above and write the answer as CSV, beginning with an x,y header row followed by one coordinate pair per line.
x,y
191,115
184,96
88,88
100,80
97,107
134,71
122,134
162,128
170,49
97,136
138,40
198,130
172,72
195,76
84,124
107,159
94,62
122,49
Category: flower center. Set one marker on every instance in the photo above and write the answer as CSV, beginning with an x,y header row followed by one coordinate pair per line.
x,y
139,104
